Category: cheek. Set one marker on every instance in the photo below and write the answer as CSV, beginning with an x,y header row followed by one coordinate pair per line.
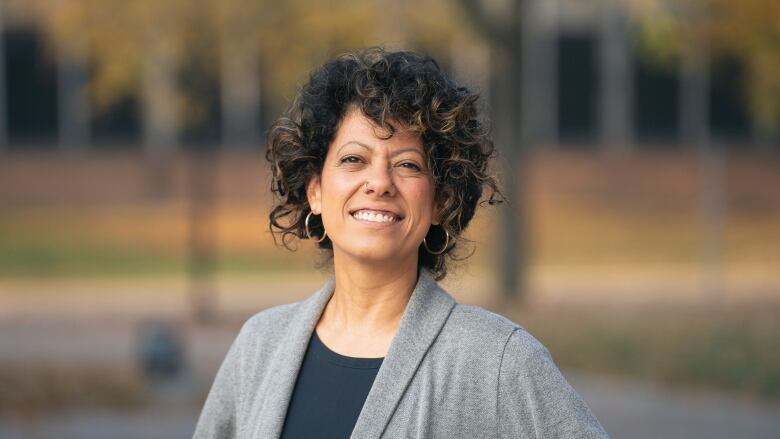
x,y
423,199
334,192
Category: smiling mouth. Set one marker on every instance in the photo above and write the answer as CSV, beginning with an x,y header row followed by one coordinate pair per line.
x,y
376,217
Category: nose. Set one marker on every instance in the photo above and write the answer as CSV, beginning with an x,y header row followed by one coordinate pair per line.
x,y
380,181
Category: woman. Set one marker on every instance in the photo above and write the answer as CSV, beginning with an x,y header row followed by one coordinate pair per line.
x,y
382,161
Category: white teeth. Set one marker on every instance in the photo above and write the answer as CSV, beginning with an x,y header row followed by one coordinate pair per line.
x,y
374,217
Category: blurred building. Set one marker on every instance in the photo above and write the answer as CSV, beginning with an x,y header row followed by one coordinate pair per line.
x,y
583,58
586,86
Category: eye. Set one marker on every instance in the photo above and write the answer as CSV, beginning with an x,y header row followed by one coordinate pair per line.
x,y
411,165
350,159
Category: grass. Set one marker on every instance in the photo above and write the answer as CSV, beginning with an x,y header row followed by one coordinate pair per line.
x,y
25,262
584,212
41,261
133,239
641,209
736,348
153,240
36,388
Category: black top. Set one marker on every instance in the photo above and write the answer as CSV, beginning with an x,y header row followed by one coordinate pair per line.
x,y
329,393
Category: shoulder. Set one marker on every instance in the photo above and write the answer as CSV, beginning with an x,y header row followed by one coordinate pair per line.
x,y
270,318
534,398
522,349
495,336
268,324
491,335
472,323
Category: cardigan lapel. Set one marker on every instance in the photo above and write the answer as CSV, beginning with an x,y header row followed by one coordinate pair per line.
x,y
425,314
279,381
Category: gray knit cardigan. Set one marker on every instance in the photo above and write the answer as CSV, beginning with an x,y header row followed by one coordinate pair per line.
x,y
452,371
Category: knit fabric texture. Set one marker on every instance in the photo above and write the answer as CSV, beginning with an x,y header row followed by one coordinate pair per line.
x,y
452,371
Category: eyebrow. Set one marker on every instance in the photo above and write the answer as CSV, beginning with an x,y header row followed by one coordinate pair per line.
x,y
369,147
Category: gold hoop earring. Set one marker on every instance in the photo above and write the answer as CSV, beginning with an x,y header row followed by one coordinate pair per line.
x,y
308,234
446,244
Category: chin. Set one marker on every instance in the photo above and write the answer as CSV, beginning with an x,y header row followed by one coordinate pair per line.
x,y
375,252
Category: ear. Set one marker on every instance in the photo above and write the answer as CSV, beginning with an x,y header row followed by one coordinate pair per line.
x,y
314,194
436,214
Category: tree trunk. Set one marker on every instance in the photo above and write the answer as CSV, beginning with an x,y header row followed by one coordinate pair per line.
x,y
695,133
72,95
160,115
240,91
540,73
3,97
616,79
503,31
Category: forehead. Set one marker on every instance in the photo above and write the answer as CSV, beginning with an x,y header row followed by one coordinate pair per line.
x,y
356,128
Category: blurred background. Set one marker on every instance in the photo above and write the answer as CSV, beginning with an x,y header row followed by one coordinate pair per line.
x,y
639,148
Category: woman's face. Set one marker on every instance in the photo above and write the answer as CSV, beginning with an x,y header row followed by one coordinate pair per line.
x,y
375,195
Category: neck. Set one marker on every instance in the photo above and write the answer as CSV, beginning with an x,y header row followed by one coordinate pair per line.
x,y
369,298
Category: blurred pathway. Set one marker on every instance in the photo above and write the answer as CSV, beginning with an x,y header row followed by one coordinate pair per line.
x,y
100,325
626,408
638,410
160,422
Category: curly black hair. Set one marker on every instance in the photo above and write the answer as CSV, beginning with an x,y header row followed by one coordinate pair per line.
x,y
407,89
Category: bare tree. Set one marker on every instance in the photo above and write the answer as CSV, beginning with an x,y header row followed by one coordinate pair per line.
x,y
3,118
501,26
